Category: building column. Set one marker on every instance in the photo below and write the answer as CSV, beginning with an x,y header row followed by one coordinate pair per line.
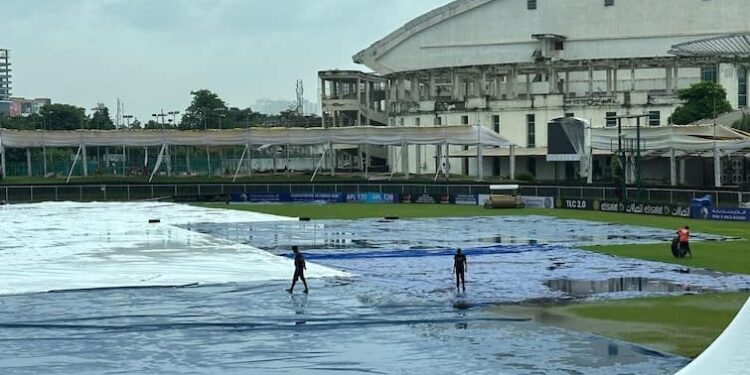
x,y
28,162
669,80
432,90
528,86
456,85
480,162
609,81
632,75
591,79
187,161
333,159
2,161
510,84
415,88
676,80
683,171
85,161
614,80
483,89
512,162
359,103
717,167
552,80
673,167
567,83
405,160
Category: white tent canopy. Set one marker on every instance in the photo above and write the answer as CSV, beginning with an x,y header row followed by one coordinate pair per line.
x,y
672,140
361,135
364,135
687,138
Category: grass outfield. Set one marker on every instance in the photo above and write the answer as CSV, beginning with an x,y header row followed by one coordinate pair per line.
x,y
683,325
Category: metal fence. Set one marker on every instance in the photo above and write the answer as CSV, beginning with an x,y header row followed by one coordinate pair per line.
x,y
40,193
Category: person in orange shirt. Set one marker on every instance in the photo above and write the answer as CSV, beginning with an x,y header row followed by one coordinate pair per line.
x,y
684,239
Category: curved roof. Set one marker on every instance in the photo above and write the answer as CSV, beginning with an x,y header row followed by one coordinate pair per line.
x,y
465,33
415,26
733,45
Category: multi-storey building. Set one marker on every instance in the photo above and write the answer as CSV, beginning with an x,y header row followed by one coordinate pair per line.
x,y
4,82
514,65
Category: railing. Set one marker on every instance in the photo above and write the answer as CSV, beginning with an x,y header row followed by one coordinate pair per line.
x,y
40,193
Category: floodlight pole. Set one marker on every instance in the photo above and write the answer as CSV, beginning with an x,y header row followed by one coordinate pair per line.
x,y
638,179
623,161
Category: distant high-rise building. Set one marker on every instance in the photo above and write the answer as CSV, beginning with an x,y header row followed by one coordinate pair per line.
x,y
25,107
4,82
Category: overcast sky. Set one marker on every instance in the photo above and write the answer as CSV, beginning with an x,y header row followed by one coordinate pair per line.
x,y
152,53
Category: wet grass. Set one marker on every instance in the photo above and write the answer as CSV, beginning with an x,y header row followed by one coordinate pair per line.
x,y
683,325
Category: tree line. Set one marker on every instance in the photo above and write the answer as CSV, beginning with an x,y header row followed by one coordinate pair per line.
x,y
206,111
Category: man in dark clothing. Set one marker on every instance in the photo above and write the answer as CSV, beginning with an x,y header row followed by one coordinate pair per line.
x,y
299,269
459,268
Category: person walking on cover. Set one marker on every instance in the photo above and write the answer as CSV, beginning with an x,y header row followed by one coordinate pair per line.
x,y
683,236
459,268
299,269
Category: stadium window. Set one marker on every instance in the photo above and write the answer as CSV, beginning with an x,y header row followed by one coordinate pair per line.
x,y
464,120
496,123
709,73
742,87
654,118
530,130
609,3
401,121
438,120
417,121
570,114
611,120
531,4
559,45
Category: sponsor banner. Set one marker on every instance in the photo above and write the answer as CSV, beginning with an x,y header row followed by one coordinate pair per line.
x,y
645,208
466,199
372,198
428,198
319,197
425,199
287,197
730,214
259,197
538,202
576,204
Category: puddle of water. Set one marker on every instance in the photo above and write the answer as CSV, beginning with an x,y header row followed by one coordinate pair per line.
x,y
580,289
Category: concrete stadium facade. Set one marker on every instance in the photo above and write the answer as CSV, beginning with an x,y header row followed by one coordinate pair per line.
x,y
514,65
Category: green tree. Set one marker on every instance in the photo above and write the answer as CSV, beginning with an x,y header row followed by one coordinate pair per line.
x,y
206,110
62,117
151,124
101,119
703,100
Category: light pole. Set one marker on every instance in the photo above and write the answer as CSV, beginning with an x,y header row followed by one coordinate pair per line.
x,y
160,115
127,120
174,117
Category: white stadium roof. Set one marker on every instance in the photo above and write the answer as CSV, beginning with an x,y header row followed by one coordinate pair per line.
x,y
733,45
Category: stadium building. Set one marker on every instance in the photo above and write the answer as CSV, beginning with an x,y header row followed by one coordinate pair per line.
x,y
515,65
